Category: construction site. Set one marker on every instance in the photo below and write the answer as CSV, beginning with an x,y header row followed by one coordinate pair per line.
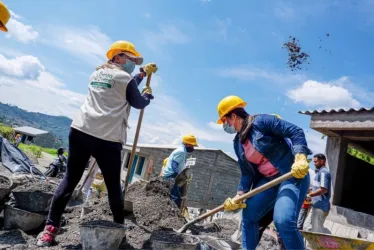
x,y
152,219
93,182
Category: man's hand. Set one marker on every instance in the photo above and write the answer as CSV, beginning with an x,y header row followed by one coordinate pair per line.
x,y
300,167
230,205
147,90
149,68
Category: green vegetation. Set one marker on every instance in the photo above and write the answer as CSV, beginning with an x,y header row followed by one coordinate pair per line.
x,y
58,126
52,151
7,132
35,150
360,155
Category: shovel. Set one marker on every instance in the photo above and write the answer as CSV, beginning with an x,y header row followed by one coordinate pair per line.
x,y
240,198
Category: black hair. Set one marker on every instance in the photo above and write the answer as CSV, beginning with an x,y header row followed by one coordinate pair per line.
x,y
320,157
239,112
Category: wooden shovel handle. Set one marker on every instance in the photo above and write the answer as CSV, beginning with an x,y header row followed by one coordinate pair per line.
x,y
240,198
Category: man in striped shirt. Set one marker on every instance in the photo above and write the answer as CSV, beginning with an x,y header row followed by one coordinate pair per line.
x,y
321,193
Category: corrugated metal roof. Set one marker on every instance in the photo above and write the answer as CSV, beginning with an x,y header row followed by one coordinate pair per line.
x,y
311,112
30,131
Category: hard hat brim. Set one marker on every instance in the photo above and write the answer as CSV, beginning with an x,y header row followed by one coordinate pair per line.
x,y
4,28
138,58
135,55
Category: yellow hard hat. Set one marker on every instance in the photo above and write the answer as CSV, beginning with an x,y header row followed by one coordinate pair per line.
x,y
124,47
4,17
190,139
278,116
227,104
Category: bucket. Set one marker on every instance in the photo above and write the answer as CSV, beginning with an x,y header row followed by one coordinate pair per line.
x,y
171,241
33,201
15,218
5,189
97,237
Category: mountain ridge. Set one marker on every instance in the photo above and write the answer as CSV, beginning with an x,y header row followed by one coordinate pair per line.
x,y
14,116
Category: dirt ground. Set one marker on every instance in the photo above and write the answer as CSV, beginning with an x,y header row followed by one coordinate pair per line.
x,y
4,183
34,186
153,212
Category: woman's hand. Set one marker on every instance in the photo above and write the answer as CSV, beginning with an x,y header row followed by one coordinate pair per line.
x,y
300,168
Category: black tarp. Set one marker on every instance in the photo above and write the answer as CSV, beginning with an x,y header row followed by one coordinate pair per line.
x,y
15,160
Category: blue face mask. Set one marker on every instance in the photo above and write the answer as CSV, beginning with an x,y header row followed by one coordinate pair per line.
x,y
229,129
129,66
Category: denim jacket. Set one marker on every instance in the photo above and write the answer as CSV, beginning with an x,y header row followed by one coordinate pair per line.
x,y
277,140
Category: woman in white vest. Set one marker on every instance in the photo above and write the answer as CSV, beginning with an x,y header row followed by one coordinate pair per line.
x,y
99,130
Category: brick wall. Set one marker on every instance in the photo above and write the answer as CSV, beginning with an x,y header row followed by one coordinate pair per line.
x,y
215,175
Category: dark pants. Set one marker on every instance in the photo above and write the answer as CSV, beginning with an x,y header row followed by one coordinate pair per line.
x,y
175,192
108,156
176,195
302,216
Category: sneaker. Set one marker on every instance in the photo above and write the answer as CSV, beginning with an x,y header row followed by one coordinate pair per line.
x,y
48,236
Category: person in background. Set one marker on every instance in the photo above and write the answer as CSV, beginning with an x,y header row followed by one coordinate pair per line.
x,y
58,166
304,211
4,17
175,163
320,195
17,140
100,130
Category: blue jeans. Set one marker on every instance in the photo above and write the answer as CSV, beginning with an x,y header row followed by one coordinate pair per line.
x,y
175,192
286,199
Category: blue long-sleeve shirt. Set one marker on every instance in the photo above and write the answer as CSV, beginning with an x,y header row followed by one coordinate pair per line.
x,y
133,95
277,140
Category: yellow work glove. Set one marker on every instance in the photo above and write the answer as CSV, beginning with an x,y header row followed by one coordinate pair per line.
x,y
300,167
230,205
147,90
149,68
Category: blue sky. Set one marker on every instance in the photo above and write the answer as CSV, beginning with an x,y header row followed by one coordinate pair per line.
x,y
205,50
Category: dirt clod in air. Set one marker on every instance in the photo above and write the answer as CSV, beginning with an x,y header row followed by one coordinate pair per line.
x,y
296,57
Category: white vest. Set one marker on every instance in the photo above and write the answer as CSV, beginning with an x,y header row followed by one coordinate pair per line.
x,y
105,111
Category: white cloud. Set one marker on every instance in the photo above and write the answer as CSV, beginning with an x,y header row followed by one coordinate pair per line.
x,y
249,73
168,34
323,95
88,44
32,88
166,120
25,66
20,31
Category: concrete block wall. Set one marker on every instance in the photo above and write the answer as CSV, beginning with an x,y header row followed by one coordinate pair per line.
x,y
215,175
347,216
